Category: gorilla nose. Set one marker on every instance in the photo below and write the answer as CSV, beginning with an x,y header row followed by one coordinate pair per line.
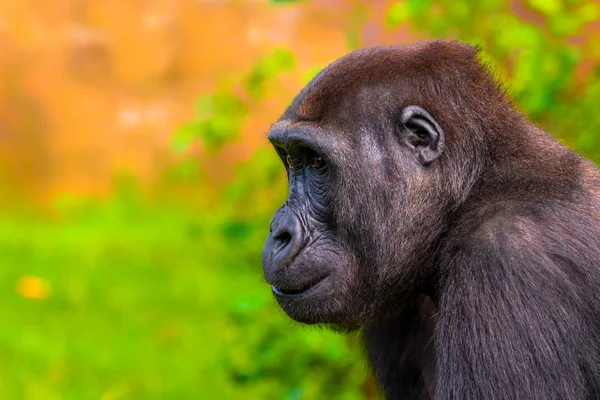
x,y
285,241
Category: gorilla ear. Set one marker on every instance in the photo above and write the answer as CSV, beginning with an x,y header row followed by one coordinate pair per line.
x,y
422,134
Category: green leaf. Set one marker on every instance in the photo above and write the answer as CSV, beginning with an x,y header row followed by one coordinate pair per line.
x,y
267,68
565,24
283,58
419,8
547,7
588,13
184,136
397,14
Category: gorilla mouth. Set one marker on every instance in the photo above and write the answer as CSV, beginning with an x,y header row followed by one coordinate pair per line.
x,y
298,290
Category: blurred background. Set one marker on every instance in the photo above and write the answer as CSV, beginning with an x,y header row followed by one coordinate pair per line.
x,y
136,182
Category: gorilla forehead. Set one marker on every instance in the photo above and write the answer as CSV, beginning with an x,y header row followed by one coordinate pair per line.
x,y
344,89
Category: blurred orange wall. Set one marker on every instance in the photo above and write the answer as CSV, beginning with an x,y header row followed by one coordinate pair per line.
x,y
90,88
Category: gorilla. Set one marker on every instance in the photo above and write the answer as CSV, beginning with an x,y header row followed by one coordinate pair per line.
x,y
424,210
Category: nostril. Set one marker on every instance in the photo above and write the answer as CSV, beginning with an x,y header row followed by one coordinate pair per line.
x,y
283,238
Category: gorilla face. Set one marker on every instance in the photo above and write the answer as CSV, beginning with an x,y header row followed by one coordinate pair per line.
x,y
310,267
339,243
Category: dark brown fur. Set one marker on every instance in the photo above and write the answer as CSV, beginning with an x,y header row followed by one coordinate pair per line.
x,y
474,277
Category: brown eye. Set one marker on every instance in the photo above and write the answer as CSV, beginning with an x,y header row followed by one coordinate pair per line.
x,y
289,161
318,162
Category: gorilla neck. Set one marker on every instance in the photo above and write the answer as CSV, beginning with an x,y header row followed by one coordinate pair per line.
x,y
401,351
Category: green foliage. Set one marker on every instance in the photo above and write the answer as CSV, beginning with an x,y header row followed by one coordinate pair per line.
x,y
538,63
153,303
547,7
217,119
265,69
219,115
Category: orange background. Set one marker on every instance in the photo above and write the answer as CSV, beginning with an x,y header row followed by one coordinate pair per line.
x,y
91,89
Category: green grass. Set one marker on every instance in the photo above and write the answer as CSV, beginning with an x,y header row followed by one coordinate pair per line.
x,y
152,303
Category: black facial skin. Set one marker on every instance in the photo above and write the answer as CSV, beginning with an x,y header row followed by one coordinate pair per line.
x,y
424,210
303,255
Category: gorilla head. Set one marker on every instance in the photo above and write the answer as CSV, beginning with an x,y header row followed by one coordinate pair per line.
x,y
372,175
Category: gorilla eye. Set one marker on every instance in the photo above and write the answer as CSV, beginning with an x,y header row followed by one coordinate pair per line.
x,y
289,161
318,162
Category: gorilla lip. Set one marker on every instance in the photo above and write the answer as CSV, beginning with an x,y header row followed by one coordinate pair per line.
x,y
296,292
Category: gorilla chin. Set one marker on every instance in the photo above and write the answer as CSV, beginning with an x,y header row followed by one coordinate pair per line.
x,y
319,301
